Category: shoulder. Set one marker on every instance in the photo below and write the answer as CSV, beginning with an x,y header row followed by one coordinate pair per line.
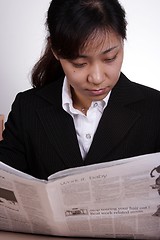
x,y
147,91
135,95
150,97
48,94
137,88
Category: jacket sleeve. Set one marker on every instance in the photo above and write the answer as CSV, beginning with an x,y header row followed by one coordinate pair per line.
x,y
12,150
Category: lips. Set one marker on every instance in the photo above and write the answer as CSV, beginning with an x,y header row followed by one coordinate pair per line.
x,y
97,92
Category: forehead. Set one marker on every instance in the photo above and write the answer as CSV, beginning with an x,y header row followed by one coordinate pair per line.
x,y
99,42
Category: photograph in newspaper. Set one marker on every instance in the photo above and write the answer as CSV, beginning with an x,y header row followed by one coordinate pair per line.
x,y
156,186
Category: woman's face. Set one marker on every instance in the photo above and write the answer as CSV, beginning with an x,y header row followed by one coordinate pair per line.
x,y
96,70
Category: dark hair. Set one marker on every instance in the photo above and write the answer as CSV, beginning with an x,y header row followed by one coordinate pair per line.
x,y
70,23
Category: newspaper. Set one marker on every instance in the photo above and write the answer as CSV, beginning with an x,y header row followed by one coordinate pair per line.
x,y
119,199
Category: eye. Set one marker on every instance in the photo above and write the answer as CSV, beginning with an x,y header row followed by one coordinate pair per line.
x,y
111,59
78,65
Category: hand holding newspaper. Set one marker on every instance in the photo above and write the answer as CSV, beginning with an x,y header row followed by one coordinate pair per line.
x,y
119,199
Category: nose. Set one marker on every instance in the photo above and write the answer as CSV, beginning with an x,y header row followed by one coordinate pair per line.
x,y
96,74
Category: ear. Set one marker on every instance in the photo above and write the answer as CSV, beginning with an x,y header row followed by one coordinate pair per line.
x,y
55,55
50,44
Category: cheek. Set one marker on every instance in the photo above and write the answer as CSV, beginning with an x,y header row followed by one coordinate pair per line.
x,y
73,79
116,69
113,74
71,75
76,77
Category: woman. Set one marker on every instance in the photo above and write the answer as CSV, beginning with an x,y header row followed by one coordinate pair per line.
x,y
81,110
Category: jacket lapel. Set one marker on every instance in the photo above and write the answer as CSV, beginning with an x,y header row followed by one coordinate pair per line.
x,y
116,120
59,126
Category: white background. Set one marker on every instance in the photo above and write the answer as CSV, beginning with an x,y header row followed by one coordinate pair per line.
x,y
22,27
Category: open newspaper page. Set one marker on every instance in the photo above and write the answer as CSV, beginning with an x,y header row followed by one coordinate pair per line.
x,y
120,199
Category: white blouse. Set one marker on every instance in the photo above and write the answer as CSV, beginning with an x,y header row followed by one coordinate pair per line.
x,y
85,125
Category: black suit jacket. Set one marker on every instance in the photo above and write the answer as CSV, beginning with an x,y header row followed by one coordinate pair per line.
x,y
40,137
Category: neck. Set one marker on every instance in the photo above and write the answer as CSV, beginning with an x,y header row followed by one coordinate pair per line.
x,y
80,104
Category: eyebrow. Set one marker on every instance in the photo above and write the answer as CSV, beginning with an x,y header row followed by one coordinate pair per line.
x,y
103,53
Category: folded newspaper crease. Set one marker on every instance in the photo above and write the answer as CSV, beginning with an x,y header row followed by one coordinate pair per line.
x,y
119,199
